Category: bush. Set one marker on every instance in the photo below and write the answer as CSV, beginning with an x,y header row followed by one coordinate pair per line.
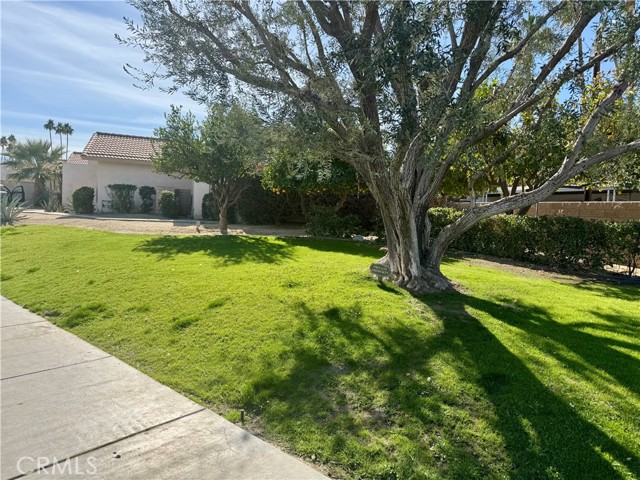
x,y
568,243
625,245
324,222
169,204
147,195
10,211
210,210
82,200
259,206
122,197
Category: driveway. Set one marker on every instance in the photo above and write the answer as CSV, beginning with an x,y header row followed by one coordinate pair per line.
x,y
69,410
153,225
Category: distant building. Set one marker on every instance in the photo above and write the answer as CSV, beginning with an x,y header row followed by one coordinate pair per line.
x,y
111,158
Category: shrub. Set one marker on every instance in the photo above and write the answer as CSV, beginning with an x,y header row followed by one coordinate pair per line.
x,y
625,245
147,194
10,211
122,197
258,205
82,200
169,204
324,222
568,243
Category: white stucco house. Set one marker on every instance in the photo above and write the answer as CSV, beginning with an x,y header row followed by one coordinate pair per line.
x,y
111,158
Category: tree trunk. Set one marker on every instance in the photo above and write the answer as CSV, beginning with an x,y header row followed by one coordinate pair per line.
x,y
223,224
341,201
412,259
303,206
39,190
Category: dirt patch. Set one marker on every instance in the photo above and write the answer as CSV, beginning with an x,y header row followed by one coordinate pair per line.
x,y
154,226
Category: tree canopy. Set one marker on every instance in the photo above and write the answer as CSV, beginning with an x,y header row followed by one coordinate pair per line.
x,y
408,89
222,150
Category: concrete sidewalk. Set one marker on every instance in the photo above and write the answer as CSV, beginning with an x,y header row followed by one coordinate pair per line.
x,y
69,410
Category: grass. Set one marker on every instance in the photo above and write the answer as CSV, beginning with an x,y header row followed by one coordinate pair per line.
x,y
519,377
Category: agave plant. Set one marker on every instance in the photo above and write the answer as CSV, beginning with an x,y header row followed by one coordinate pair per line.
x,y
10,210
51,204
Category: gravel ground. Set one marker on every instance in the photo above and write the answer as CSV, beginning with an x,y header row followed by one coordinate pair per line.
x,y
148,224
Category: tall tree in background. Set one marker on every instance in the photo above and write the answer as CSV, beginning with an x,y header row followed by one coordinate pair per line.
x,y
223,150
51,126
407,89
7,143
37,161
67,130
60,131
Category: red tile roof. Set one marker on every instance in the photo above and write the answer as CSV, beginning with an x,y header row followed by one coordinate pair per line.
x,y
115,145
76,157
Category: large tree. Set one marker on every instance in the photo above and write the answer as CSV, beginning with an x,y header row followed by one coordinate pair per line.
x,y
35,160
398,84
223,150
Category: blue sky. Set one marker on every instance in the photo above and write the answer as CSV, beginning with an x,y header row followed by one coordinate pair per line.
x,y
60,60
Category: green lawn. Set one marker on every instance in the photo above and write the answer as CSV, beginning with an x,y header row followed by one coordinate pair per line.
x,y
519,377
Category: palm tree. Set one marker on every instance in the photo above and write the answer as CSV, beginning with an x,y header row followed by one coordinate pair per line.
x,y
51,126
60,131
35,160
3,143
68,130
7,143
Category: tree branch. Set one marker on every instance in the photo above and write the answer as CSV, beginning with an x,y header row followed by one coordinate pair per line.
x,y
518,48
569,169
553,62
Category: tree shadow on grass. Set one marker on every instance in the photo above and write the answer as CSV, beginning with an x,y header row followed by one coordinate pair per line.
x,y
227,249
7,230
628,289
347,246
602,353
543,434
615,323
352,382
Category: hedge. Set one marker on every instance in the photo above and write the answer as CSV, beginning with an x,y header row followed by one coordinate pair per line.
x,y
568,243
324,222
